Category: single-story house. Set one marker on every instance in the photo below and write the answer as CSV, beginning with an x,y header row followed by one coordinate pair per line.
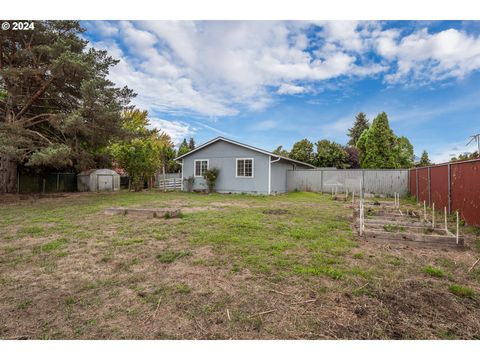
x,y
242,168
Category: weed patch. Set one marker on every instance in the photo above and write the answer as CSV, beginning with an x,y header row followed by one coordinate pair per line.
x,y
51,246
461,290
169,256
432,271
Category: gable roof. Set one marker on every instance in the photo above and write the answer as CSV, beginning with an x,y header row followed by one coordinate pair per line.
x,y
221,138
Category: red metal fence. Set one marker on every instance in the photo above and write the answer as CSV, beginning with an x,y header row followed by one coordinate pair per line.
x,y
455,186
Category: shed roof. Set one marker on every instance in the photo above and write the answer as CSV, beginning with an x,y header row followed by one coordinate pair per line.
x,y
221,138
90,171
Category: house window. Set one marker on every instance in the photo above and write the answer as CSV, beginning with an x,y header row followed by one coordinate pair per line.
x,y
244,167
200,167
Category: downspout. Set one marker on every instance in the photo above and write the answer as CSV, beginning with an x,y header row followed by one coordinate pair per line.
x,y
270,162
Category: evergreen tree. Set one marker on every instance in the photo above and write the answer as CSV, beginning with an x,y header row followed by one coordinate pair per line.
x,y
183,148
377,145
57,107
424,159
303,151
191,144
359,126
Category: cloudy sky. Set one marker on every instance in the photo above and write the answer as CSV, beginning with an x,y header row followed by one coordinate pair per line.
x,y
273,83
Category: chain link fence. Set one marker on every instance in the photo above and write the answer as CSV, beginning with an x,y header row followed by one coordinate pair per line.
x,y
46,183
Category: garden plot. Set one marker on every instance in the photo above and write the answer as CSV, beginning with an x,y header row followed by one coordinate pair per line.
x,y
387,221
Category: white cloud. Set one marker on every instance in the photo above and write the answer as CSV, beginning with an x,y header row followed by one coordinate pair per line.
x,y
168,93
176,129
290,89
265,125
425,57
219,68
344,33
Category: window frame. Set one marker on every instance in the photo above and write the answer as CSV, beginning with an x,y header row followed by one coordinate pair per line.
x,y
243,176
195,167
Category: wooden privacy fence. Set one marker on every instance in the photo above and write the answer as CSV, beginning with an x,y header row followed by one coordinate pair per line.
x,y
374,181
455,186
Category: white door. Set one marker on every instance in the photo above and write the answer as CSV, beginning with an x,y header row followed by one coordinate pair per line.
x,y
105,182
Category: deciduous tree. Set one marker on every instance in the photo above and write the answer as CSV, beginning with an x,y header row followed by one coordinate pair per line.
x,y
144,151
281,151
404,152
330,154
303,151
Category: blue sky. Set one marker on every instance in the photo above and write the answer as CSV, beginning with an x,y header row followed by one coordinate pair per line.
x,y
273,83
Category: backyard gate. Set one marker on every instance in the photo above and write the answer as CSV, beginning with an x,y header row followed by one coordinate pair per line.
x,y
170,181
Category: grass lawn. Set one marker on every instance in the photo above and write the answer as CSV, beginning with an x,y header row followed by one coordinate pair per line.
x,y
232,266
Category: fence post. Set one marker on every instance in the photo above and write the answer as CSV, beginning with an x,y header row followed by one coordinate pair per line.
x,y
416,187
321,181
363,184
429,187
408,184
43,185
449,179
58,180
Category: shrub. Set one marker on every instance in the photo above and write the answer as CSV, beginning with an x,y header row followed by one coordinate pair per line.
x,y
430,270
461,290
211,176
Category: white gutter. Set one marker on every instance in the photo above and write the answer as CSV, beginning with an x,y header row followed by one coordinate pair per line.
x,y
270,162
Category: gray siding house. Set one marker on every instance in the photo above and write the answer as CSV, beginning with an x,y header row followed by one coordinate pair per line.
x,y
242,168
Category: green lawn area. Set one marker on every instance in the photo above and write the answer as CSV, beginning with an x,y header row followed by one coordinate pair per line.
x,y
232,266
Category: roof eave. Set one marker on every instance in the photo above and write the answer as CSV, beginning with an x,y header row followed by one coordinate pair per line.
x,y
245,146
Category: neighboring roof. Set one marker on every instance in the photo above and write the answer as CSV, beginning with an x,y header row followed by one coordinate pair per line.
x,y
220,138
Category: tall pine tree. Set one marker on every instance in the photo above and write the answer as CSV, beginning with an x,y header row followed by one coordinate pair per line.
x,y
424,159
57,107
183,148
191,144
359,126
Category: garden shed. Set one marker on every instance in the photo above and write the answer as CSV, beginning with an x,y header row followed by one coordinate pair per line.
x,y
98,180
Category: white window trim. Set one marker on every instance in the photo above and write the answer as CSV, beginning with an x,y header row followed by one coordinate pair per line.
x,y
195,167
253,168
